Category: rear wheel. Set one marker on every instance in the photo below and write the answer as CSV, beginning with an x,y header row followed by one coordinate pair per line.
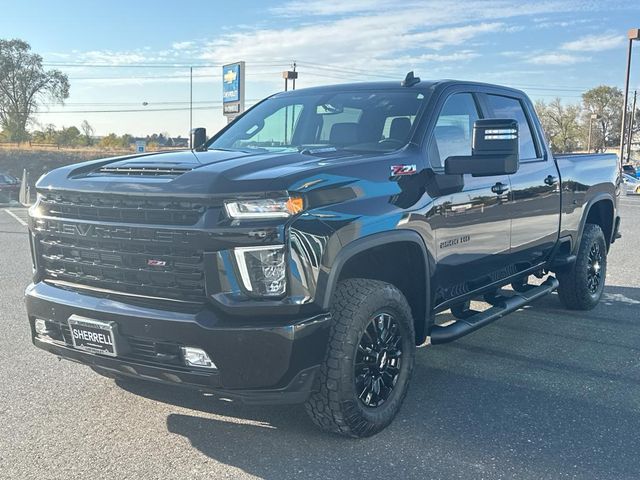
x,y
369,360
582,285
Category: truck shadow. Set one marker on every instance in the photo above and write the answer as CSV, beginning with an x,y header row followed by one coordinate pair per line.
x,y
543,393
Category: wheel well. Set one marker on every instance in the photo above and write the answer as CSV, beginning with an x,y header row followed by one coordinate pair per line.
x,y
601,213
401,264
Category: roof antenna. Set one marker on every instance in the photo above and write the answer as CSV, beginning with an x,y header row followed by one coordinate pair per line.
x,y
410,80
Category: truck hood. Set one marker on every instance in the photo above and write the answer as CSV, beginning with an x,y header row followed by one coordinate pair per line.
x,y
188,173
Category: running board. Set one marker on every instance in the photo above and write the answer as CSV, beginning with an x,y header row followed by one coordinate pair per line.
x,y
502,306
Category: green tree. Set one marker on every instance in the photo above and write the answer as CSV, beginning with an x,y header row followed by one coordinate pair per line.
x,y
69,137
126,140
606,103
24,84
111,141
561,124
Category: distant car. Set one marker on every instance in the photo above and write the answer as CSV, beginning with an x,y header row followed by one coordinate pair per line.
x,y
9,188
631,184
630,170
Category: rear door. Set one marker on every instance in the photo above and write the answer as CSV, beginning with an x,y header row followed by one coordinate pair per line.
x,y
535,187
471,226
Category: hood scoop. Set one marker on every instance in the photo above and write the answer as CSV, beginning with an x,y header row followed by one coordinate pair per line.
x,y
143,169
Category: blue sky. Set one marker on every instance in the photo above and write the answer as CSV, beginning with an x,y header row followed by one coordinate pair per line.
x,y
548,48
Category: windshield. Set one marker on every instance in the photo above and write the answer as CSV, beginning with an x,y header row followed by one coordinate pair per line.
x,y
364,120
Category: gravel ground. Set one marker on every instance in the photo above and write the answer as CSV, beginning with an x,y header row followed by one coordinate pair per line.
x,y
541,394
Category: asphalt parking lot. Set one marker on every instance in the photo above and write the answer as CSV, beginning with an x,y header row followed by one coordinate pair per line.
x,y
541,394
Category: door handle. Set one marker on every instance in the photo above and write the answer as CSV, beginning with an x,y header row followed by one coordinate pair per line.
x,y
500,188
551,180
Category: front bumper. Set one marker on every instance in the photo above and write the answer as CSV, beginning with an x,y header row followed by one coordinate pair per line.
x,y
258,360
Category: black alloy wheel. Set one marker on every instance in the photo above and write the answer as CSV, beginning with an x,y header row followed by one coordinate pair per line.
x,y
378,360
594,269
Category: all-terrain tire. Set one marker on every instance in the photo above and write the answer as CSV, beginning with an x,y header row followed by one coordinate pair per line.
x,y
577,290
337,406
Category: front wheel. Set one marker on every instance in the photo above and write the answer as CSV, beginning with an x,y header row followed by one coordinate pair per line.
x,y
582,285
369,360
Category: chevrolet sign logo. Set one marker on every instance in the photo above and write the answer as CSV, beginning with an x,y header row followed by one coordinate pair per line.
x,y
229,76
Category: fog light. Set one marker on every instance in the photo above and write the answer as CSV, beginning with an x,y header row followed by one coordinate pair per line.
x,y
41,327
196,357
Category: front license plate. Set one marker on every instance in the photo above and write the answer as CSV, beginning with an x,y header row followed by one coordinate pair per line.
x,y
93,335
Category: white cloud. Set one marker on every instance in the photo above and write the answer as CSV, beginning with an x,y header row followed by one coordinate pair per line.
x,y
329,7
300,8
371,35
182,45
556,59
443,37
595,43
377,31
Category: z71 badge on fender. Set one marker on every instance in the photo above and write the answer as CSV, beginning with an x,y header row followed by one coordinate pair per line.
x,y
398,170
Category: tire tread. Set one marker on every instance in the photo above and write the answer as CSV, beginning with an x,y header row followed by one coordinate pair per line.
x,y
325,406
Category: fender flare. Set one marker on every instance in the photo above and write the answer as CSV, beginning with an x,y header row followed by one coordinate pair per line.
x,y
587,209
327,282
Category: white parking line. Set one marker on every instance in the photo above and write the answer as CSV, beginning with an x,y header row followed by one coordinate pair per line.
x,y
20,221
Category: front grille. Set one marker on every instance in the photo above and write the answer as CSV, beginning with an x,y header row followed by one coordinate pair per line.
x,y
142,262
122,208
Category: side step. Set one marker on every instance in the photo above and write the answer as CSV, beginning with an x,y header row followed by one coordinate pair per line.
x,y
502,306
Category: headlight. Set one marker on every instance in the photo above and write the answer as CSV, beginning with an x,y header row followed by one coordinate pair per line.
x,y
265,208
262,269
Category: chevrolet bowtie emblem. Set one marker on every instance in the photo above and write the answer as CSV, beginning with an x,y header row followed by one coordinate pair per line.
x,y
229,76
83,229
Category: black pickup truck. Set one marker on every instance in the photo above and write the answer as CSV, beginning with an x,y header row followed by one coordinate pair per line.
x,y
302,253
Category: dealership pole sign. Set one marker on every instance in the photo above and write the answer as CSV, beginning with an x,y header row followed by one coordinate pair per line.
x,y
233,89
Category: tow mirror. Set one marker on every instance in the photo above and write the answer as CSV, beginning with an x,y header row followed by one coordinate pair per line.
x,y
495,150
198,138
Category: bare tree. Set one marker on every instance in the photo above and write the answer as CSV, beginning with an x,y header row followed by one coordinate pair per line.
x,y
87,131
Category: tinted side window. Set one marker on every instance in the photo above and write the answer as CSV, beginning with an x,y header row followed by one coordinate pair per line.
x,y
507,107
453,133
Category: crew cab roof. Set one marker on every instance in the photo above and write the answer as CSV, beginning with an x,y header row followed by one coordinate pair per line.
x,y
395,85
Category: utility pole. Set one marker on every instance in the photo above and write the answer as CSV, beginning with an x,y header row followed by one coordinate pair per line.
x,y
295,75
190,107
289,75
633,34
632,117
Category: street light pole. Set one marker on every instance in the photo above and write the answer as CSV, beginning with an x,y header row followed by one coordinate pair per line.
x,y
191,107
633,34
632,118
